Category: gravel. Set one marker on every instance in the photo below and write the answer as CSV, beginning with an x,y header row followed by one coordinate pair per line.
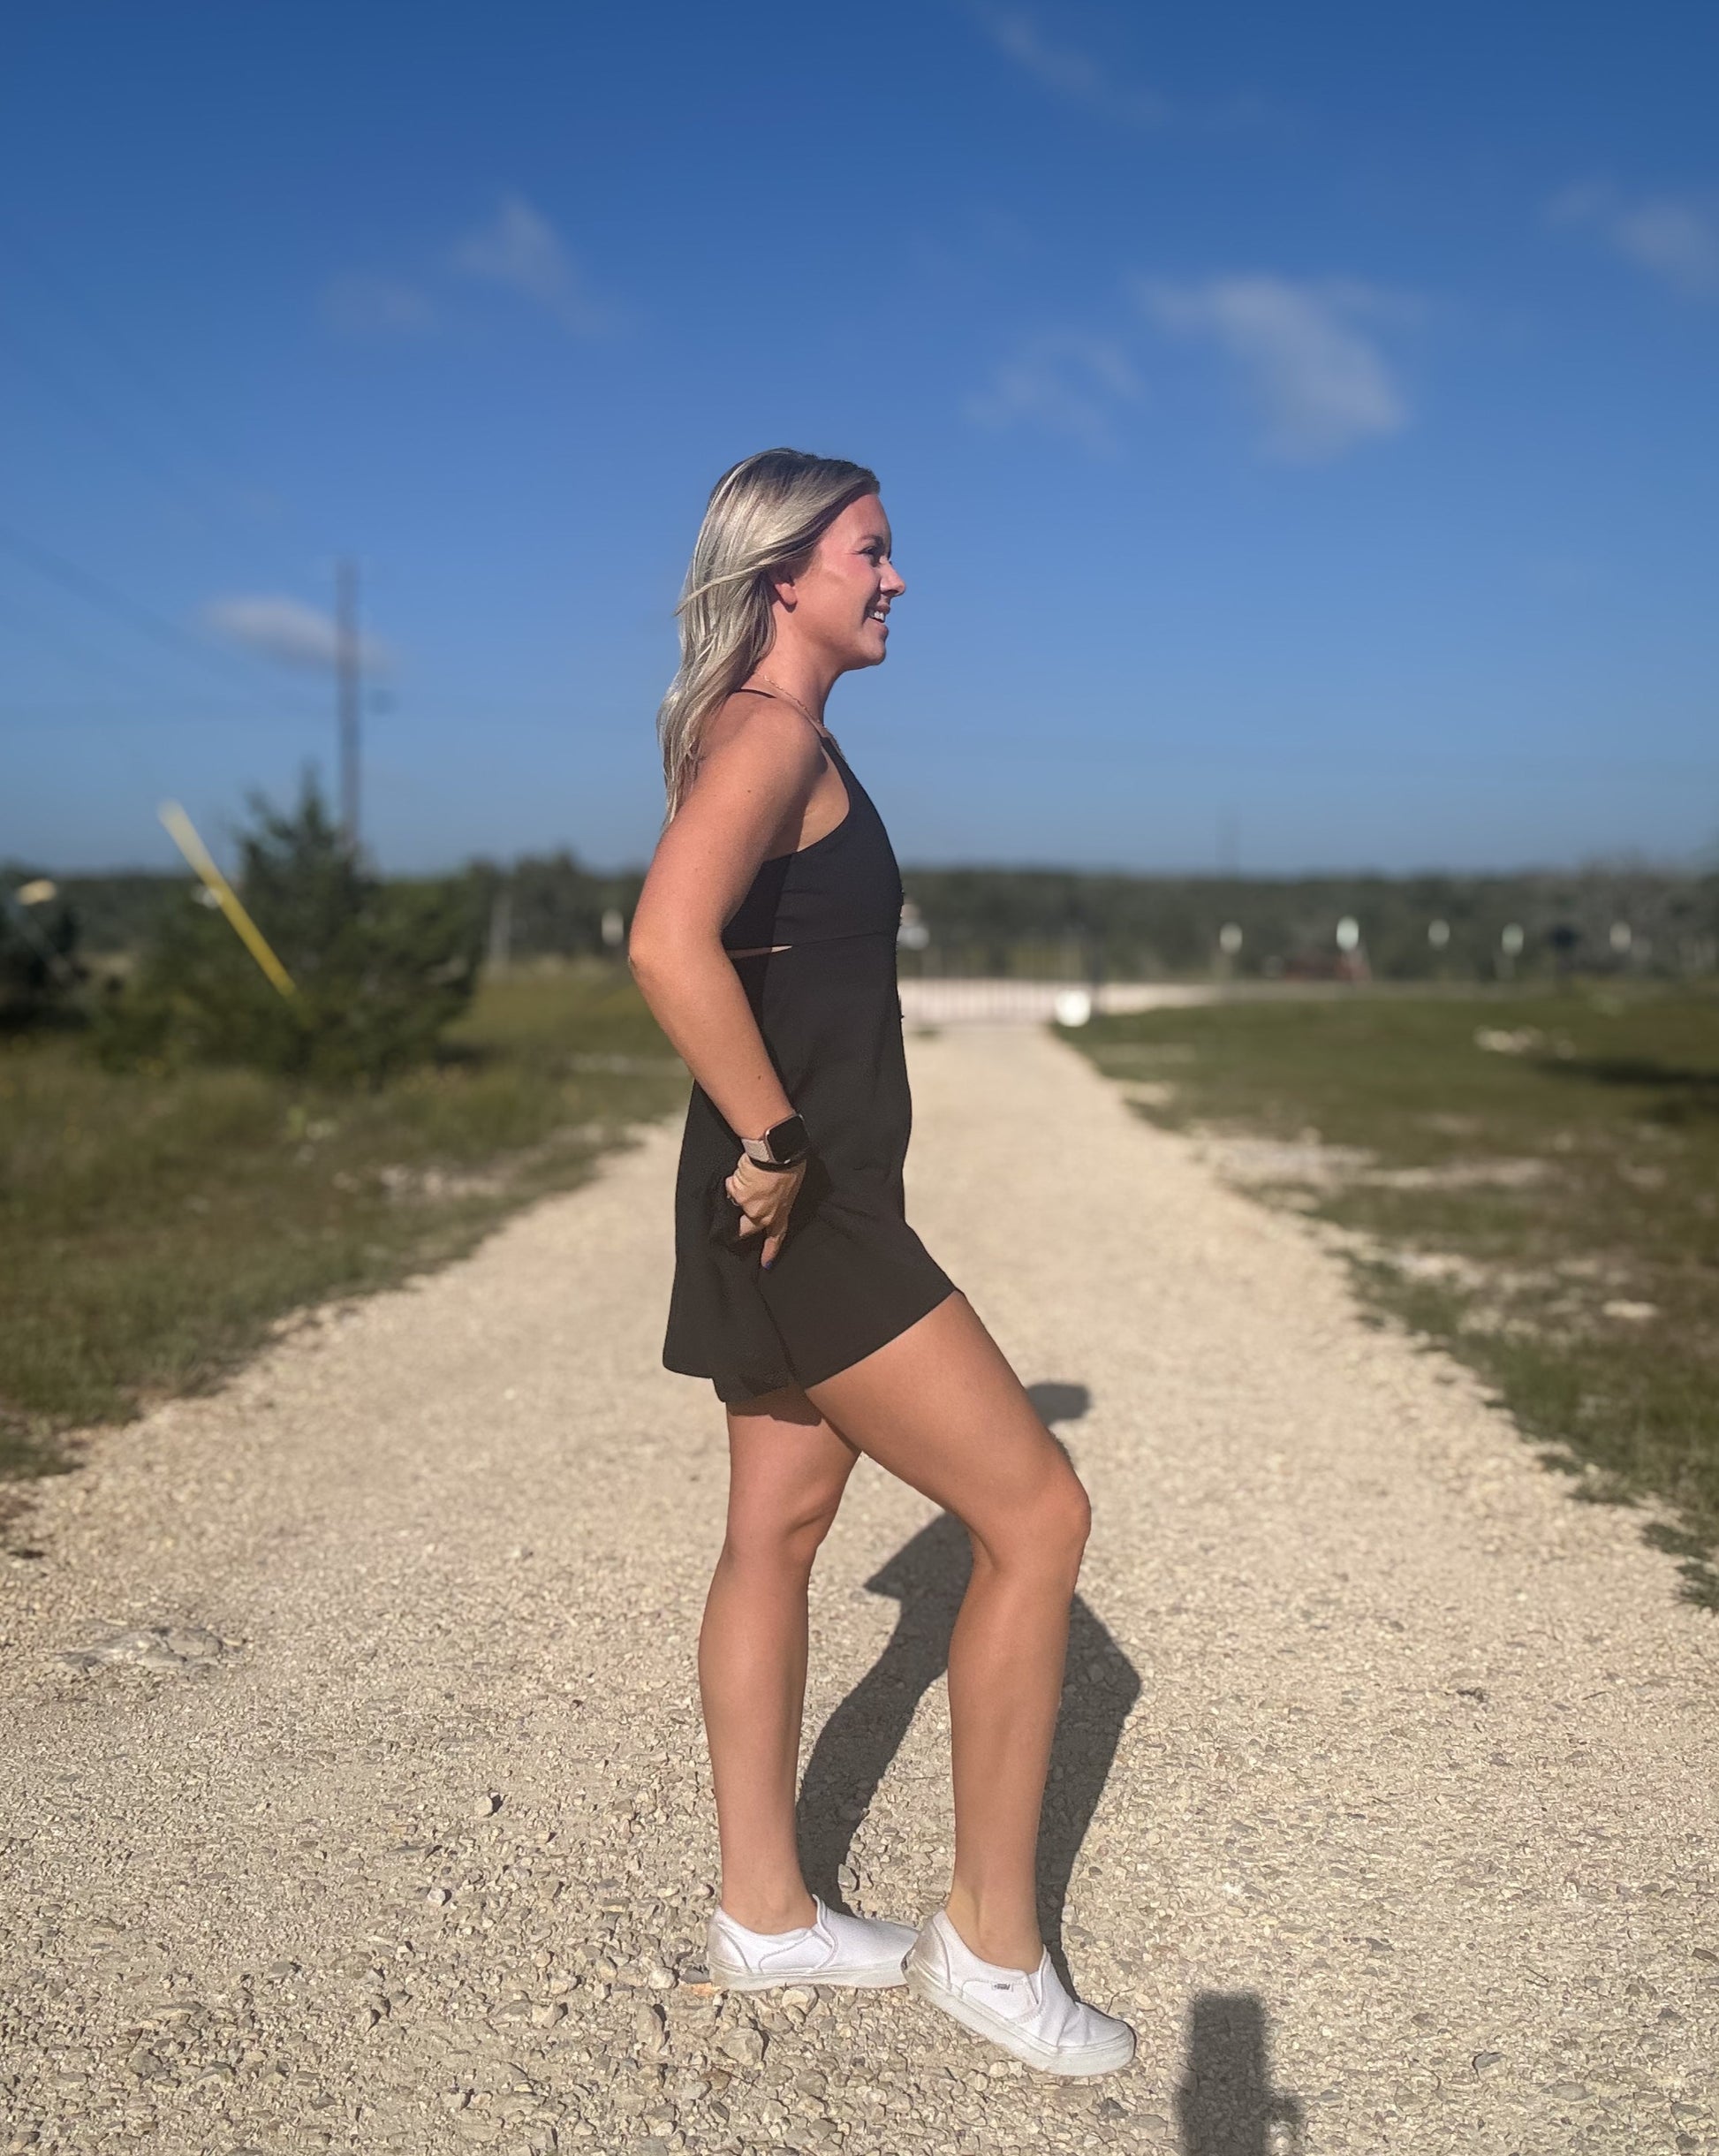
x,y
352,1793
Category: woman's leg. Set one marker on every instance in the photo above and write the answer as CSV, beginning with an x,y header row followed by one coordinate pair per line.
x,y
787,1469
940,1406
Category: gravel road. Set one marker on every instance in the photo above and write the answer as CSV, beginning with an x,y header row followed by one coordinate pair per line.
x,y
352,1793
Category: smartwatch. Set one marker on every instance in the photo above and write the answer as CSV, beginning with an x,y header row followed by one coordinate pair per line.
x,y
783,1145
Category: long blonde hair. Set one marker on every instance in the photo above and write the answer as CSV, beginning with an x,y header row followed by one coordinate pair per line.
x,y
763,520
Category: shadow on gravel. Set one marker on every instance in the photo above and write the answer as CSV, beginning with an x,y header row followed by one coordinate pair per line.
x,y
929,1576
1225,2105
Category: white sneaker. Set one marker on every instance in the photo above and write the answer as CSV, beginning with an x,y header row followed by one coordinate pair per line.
x,y
1025,2010
860,1951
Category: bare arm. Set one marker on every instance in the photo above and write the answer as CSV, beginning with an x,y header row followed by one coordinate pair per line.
x,y
759,768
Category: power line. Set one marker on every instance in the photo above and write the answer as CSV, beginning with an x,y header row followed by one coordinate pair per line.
x,y
96,592
104,425
75,305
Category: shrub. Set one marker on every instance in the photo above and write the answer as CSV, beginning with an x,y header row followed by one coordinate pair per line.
x,y
379,969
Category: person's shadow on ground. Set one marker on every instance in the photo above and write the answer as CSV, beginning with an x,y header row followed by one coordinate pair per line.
x,y
1225,2104
929,1576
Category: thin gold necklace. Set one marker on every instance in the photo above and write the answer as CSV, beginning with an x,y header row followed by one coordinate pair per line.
x,y
821,731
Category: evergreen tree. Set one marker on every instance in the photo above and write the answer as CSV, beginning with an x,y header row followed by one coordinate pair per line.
x,y
378,969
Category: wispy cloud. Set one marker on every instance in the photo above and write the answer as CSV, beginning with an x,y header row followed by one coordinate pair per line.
x,y
287,630
1077,77
1673,236
1068,384
361,304
1320,384
520,250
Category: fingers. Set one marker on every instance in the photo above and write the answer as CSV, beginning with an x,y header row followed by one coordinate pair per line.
x,y
763,1211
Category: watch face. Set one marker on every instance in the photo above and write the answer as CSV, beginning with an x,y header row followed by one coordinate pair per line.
x,y
787,1138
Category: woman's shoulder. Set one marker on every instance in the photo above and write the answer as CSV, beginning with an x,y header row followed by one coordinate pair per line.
x,y
751,726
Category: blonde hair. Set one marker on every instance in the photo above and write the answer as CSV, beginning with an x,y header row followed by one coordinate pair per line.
x,y
763,520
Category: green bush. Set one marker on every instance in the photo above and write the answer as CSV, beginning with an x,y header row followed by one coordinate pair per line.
x,y
379,969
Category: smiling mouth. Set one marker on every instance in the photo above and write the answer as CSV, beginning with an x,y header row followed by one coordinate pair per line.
x,y
879,613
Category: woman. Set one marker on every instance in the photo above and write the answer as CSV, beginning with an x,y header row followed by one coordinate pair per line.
x,y
764,942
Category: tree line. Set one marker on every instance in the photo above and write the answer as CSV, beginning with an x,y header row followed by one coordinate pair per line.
x,y
417,943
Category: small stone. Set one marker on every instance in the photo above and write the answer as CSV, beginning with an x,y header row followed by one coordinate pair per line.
x,y
438,1897
1570,2092
745,2046
487,1807
1484,2061
283,1968
659,1979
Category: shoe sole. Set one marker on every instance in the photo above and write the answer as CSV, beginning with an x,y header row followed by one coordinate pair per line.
x,y
1092,2060
880,1980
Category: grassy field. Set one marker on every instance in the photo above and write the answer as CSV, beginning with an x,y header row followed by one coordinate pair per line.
x,y
1532,1181
152,1229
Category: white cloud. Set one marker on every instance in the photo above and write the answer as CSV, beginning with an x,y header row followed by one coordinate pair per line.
x,y
287,630
1674,237
361,304
1065,383
519,249
1070,73
1322,386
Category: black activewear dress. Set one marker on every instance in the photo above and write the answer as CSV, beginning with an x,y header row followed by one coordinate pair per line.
x,y
850,1273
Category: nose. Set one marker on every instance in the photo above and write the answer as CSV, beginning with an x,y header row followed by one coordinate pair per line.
x,y
894,583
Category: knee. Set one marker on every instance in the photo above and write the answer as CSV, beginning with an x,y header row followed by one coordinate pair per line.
x,y
782,1541
1067,1522
1046,1536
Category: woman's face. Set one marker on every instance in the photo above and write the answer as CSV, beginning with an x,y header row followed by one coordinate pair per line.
x,y
841,604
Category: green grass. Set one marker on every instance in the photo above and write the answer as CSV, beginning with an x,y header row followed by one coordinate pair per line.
x,y
1546,1206
154,1228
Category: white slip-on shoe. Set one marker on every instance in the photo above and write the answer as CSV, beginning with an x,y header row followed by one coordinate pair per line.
x,y
863,1952
1026,2011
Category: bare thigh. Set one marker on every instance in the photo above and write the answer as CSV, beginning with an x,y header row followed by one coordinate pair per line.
x,y
787,1470
940,1406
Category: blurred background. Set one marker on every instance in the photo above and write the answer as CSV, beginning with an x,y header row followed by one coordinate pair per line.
x,y
1298,430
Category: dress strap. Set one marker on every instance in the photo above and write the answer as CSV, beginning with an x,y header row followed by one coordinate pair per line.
x,y
775,696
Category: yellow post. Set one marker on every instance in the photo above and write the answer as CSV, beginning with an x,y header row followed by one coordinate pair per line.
x,y
185,837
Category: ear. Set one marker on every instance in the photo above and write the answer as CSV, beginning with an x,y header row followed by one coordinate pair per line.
x,y
785,591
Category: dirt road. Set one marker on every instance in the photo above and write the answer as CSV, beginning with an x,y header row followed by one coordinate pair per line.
x,y
372,1808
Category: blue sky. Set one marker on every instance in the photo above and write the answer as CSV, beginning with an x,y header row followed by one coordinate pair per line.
x,y
1299,426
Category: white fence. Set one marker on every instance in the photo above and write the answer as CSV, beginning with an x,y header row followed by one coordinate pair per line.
x,y
1034,1003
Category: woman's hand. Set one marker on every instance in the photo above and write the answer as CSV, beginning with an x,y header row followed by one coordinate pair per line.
x,y
766,1197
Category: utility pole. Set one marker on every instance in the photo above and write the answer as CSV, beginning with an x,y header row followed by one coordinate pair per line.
x,y
349,693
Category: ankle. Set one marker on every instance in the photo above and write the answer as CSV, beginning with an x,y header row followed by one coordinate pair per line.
x,y
768,1910
1001,1933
